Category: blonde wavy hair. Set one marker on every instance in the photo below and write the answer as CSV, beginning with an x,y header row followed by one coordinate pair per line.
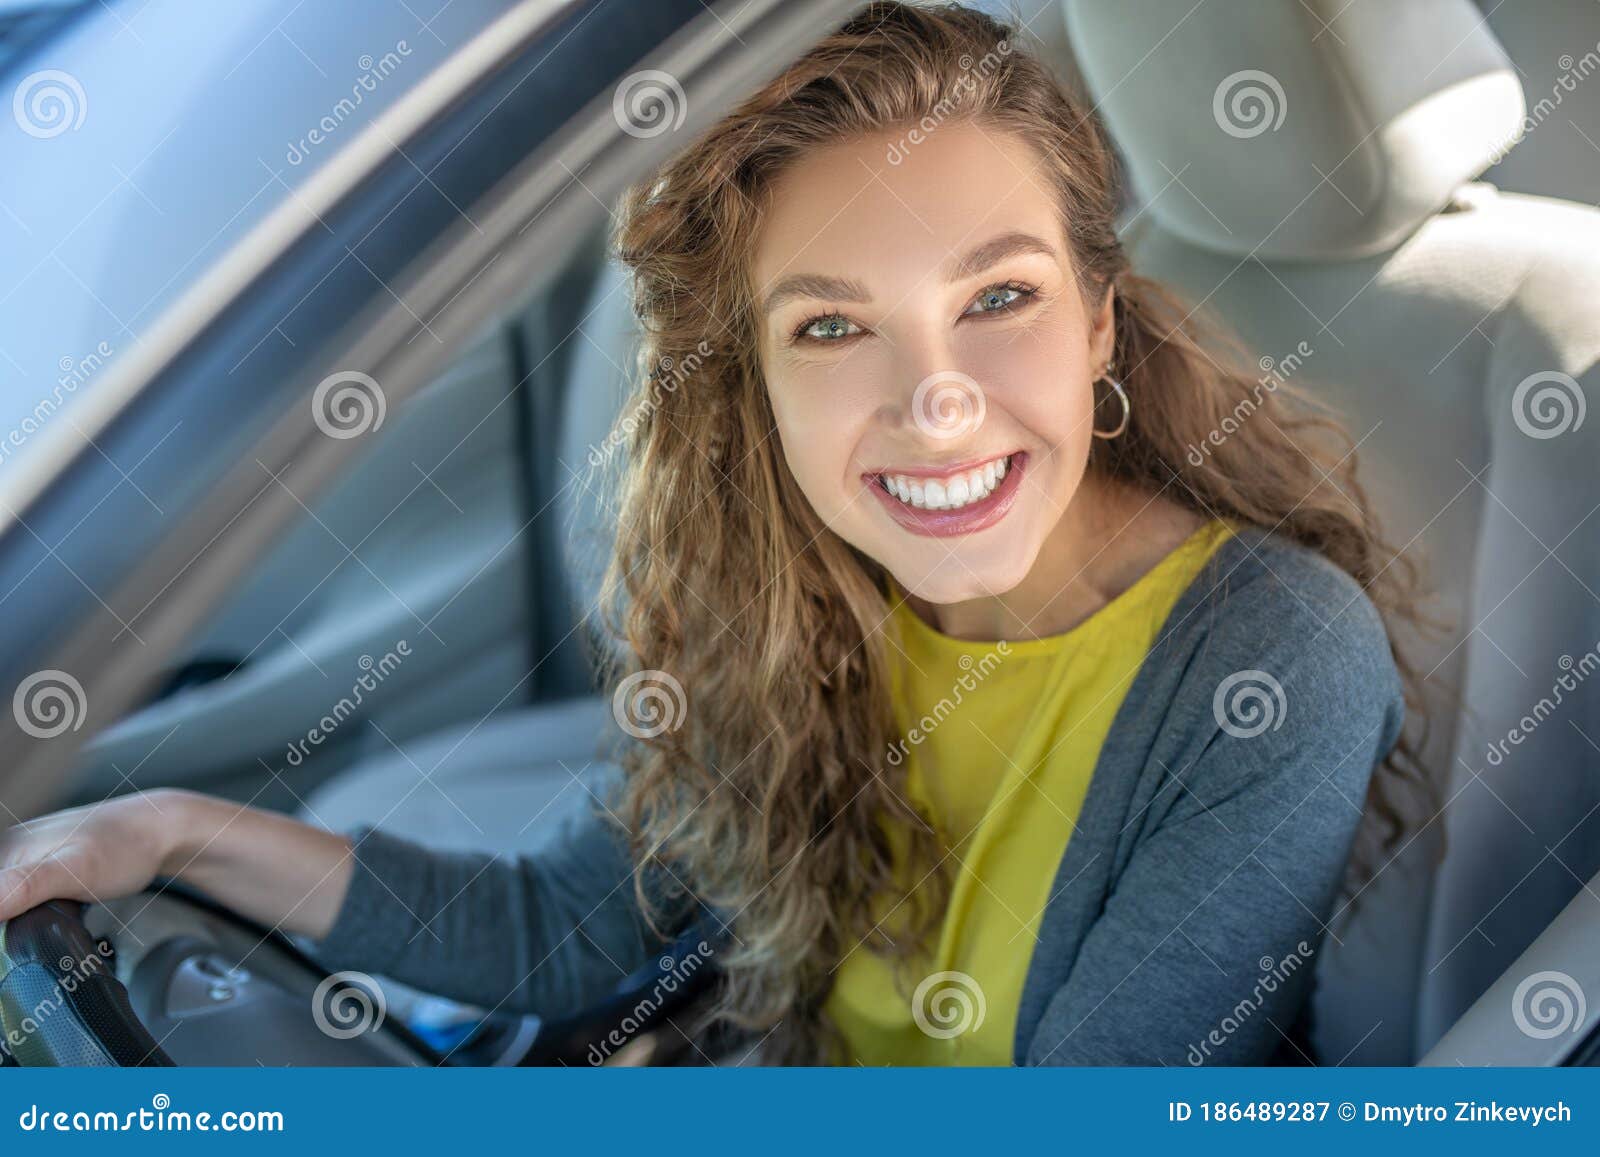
x,y
768,801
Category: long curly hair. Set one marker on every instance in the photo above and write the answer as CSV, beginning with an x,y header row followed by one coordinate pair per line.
x,y
767,796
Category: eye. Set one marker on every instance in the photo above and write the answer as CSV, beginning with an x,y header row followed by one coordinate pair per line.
x,y
829,327
1000,298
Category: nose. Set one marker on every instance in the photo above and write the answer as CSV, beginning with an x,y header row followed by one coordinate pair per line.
x,y
930,395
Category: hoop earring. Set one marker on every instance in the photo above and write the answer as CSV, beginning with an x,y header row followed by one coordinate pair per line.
x,y
1127,409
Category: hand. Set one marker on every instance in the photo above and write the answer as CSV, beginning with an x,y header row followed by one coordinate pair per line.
x,y
269,868
98,852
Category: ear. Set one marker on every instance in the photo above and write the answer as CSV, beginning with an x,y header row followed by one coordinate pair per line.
x,y
1103,331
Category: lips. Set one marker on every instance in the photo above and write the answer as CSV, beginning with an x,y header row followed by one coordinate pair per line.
x,y
954,488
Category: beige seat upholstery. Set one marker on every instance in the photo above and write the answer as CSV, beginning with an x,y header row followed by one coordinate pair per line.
x,y
1306,171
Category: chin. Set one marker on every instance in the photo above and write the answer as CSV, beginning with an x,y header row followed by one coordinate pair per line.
x,y
962,577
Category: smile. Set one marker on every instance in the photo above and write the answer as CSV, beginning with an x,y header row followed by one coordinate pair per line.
x,y
943,502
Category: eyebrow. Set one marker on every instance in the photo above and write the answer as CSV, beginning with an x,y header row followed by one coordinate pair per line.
x,y
996,250
814,285
969,264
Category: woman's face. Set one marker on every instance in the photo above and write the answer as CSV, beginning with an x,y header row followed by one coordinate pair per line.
x,y
928,354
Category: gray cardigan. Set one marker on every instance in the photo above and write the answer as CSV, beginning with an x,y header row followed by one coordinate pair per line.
x,y
1186,912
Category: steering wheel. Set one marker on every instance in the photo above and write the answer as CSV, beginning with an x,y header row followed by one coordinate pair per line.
x,y
190,983
60,1004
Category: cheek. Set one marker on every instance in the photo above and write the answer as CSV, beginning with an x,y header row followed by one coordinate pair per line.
x,y
1038,378
821,414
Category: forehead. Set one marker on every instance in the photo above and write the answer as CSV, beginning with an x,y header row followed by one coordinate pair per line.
x,y
850,207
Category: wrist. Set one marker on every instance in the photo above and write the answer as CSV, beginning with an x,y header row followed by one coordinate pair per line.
x,y
186,827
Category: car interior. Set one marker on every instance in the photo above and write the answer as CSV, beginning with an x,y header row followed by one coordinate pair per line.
x,y
1430,269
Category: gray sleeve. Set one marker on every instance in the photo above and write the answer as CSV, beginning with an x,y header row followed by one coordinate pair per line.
x,y
1205,950
548,931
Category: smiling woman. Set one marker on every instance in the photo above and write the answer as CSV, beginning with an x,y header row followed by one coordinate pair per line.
x,y
981,418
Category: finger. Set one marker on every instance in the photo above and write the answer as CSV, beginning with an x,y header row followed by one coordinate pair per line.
x,y
16,890
25,886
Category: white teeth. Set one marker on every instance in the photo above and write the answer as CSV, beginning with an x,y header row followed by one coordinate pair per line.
x,y
949,494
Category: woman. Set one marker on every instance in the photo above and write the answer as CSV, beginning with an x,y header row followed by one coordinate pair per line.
x,y
1034,661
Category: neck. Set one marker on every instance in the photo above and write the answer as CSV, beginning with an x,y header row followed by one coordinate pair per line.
x,y
1109,536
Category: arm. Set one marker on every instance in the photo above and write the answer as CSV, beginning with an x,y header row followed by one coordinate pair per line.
x,y
549,932
1205,950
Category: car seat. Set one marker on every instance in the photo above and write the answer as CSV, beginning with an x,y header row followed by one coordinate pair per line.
x,y
1306,171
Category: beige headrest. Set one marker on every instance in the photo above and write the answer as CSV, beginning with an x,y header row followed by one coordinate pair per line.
x,y
1297,128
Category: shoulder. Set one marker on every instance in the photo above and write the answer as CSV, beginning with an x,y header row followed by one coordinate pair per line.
x,y
1280,642
1266,597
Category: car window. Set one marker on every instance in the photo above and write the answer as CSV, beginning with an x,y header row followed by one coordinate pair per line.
x,y
136,148
24,24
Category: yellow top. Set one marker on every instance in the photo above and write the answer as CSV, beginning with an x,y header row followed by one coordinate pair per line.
x,y
1000,740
